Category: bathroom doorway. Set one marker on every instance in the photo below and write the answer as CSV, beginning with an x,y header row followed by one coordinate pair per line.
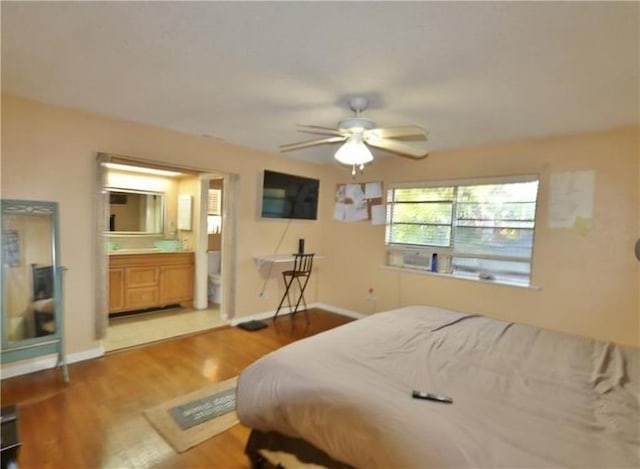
x,y
211,298
215,201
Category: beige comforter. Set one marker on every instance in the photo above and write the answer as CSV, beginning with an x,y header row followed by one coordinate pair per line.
x,y
523,397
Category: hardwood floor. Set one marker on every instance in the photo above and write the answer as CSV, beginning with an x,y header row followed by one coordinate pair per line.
x,y
96,420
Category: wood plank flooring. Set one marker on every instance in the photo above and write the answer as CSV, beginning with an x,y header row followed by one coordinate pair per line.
x,y
96,420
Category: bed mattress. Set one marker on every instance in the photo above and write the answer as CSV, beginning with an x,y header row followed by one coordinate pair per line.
x,y
523,396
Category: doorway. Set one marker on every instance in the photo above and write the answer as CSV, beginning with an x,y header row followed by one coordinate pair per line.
x,y
185,218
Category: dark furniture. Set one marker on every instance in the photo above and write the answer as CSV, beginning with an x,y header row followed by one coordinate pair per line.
x,y
43,309
273,441
42,281
10,438
302,265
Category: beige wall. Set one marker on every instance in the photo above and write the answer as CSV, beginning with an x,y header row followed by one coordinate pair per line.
x,y
49,153
588,284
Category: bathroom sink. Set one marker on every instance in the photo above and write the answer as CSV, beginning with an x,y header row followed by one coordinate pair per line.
x,y
134,251
168,244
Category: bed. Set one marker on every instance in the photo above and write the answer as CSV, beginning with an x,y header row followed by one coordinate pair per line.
x,y
523,396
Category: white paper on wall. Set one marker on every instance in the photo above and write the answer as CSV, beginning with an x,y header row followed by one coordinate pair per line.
x,y
356,212
378,215
354,201
372,190
571,199
340,211
355,193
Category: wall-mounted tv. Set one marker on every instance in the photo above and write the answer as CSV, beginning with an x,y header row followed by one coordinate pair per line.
x,y
289,196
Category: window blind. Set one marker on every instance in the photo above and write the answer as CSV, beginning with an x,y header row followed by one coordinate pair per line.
x,y
485,228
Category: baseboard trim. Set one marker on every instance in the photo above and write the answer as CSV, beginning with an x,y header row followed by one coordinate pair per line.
x,y
258,316
342,311
284,311
10,370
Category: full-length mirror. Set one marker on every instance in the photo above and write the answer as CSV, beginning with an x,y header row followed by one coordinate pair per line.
x,y
28,275
135,212
31,281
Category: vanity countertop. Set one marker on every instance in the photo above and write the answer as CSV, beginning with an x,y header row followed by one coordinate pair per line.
x,y
132,251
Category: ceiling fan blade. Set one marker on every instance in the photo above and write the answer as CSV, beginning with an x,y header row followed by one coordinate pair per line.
x,y
310,143
395,146
412,132
317,129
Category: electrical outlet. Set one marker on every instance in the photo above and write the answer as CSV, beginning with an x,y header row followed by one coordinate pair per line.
x,y
371,295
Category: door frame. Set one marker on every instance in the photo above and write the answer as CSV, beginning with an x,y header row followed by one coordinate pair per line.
x,y
228,245
200,253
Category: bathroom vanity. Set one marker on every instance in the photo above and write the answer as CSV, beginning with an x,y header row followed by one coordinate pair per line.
x,y
150,280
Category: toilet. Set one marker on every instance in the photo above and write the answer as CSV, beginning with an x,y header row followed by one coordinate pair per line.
x,y
214,284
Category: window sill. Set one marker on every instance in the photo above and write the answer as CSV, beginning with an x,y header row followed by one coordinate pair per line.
x,y
457,277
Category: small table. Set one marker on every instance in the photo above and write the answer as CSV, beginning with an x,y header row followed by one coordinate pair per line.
x,y
9,438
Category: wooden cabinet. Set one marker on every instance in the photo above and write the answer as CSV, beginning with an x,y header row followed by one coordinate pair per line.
x,y
116,289
140,281
176,283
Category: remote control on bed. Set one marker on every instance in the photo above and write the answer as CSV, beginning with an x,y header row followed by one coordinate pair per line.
x,y
431,397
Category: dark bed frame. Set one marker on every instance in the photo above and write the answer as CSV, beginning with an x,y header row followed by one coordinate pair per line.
x,y
273,441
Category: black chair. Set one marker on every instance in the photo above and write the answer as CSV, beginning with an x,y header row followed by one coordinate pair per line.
x,y
302,265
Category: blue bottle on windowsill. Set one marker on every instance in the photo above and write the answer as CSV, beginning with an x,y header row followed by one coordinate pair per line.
x,y
434,262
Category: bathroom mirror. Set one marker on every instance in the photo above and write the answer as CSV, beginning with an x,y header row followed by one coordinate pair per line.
x,y
135,212
30,280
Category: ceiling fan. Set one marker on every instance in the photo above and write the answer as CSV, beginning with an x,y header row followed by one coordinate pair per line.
x,y
358,132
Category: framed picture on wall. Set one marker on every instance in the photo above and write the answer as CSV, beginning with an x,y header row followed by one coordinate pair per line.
x,y
10,248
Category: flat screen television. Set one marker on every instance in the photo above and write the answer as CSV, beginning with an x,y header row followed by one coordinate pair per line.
x,y
289,196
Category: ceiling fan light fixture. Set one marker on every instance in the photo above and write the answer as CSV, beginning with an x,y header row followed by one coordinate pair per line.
x,y
359,134
354,152
356,124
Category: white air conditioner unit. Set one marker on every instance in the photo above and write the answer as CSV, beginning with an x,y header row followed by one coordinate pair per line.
x,y
417,261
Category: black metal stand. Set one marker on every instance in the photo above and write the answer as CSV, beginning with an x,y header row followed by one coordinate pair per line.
x,y
301,272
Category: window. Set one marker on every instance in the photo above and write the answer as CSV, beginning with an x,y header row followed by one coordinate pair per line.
x,y
214,212
478,229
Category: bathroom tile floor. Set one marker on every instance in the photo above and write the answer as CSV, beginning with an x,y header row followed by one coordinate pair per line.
x,y
150,327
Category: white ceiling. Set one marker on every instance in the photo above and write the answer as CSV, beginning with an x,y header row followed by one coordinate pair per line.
x,y
470,73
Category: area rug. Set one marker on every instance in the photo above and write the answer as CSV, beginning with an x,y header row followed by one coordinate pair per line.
x,y
195,417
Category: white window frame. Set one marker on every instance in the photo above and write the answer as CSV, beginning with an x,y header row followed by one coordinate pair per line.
x,y
418,256
214,211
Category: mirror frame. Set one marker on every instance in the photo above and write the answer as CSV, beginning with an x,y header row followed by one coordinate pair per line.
x,y
47,344
163,210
